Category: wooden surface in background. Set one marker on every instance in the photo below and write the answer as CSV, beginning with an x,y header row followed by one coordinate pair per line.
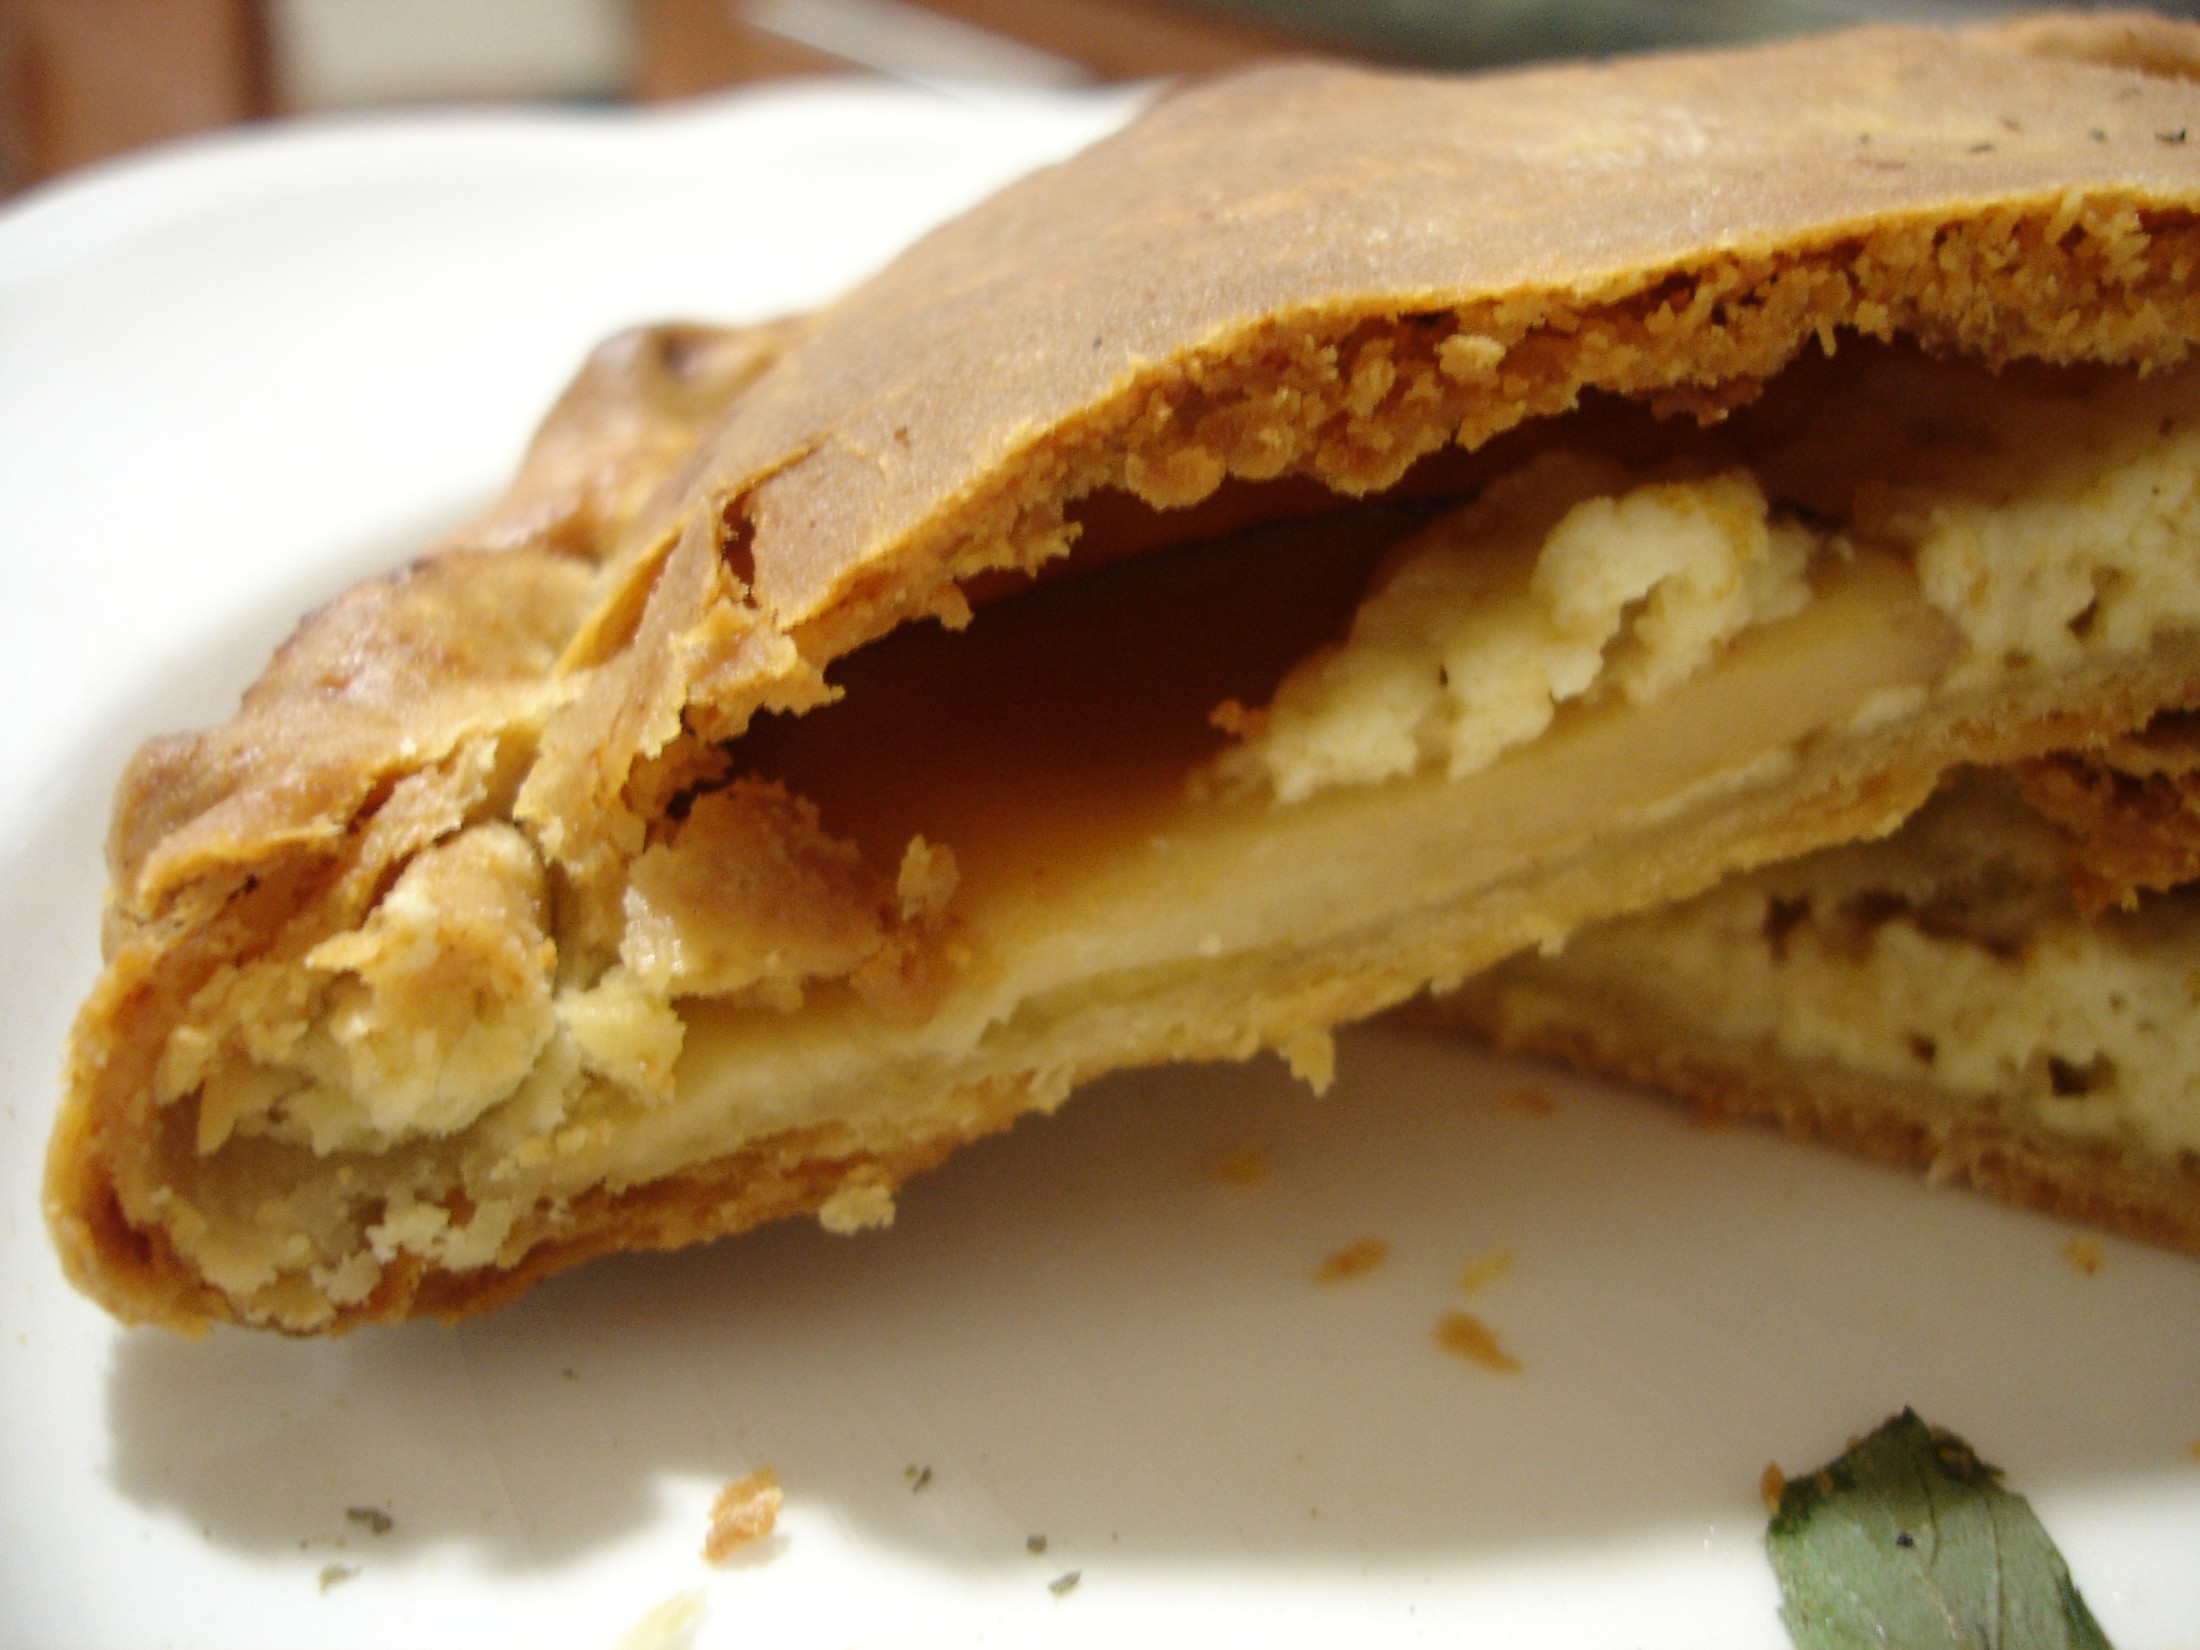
x,y
83,79
690,46
1129,39
693,46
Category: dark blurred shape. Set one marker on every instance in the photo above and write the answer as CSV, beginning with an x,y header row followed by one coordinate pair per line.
x,y
1477,33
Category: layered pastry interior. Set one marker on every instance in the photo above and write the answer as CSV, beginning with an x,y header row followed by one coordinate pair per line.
x,y
1988,992
1230,775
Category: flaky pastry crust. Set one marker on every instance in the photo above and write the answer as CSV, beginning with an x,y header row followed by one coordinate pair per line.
x,y
1304,272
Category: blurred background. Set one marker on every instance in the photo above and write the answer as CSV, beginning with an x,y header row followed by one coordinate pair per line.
x,y
84,79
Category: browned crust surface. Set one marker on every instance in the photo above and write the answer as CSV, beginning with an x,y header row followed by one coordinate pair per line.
x,y
286,809
1906,1124
2130,811
394,673
1270,275
1304,271
1145,296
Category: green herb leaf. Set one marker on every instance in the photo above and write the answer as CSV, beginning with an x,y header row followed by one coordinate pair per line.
x,y
1909,1540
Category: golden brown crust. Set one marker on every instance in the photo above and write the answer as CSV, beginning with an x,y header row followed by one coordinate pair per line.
x,y
345,758
1302,272
2130,811
1587,220
2148,1199
791,1174
2114,39
392,675
1312,296
1667,225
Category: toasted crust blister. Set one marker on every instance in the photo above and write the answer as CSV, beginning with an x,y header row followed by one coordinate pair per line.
x,y
1303,272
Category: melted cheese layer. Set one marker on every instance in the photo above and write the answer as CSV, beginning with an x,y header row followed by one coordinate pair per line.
x,y
1946,957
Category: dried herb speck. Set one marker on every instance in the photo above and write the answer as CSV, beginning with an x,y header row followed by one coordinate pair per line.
x,y
1065,1583
371,1519
335,1575
1035,1544
918,1477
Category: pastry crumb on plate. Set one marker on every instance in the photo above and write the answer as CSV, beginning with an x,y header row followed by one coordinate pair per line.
x,y
745,1511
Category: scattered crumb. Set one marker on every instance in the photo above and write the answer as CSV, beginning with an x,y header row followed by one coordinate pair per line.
x,y
1534,1102
1771,1485
1232,718
1035,1544
745,1511
569,1375
1475,1341
2083,1253
1352,1260
918,1477
670,1625
372,1519
1240,1166
1312,1057
335,1575
857,1205
1485,1270
2194,1446
1065,1583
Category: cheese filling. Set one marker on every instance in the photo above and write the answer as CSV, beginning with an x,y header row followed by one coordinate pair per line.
x,y
2049,530
1563,583
1948,958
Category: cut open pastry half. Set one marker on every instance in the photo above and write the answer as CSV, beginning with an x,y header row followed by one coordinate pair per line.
x,y
1331,537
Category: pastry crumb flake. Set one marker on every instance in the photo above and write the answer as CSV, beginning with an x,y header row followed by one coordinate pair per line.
x,y
1353,1260
1241,1166
1466,1336
745,1511
1482,1271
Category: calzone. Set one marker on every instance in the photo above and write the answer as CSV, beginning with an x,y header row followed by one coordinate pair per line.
x,y
1340,533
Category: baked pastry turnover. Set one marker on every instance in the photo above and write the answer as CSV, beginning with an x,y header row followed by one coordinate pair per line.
x,y
1338,534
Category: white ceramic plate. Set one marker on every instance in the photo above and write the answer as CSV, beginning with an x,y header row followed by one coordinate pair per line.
x,y
234,377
